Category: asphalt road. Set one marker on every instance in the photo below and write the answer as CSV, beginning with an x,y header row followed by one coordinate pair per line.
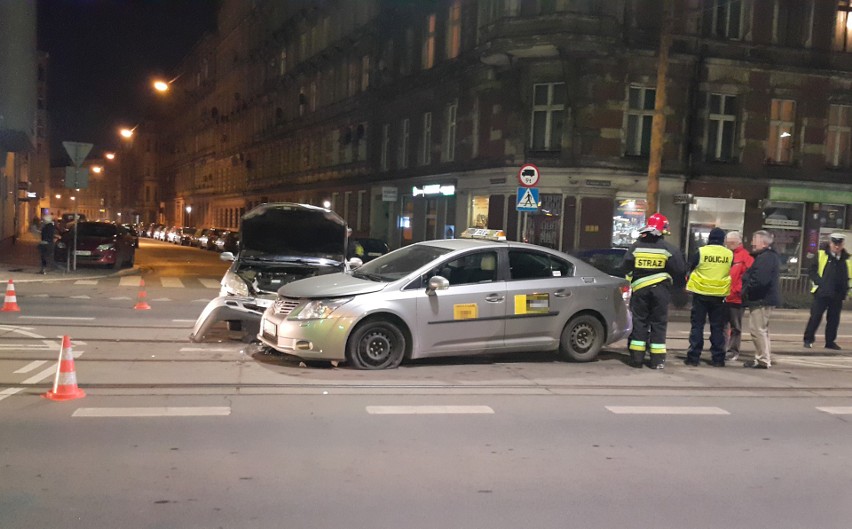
x,y
219,434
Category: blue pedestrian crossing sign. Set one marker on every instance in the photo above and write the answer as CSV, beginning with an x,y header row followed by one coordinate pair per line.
x,y
527,199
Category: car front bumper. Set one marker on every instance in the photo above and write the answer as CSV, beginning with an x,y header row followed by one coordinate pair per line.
x,y
321,339
247,310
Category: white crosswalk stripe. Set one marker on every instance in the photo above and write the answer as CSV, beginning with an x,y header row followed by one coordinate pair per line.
x,y
171,282
86,282
667,410
209,283
129,281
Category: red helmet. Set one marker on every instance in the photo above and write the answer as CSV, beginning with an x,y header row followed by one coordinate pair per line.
x,y
657,224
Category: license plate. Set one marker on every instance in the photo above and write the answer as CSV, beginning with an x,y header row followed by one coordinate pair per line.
x,y
269,328
83,252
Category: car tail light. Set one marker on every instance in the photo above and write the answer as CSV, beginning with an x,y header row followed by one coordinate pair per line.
x,y
626,292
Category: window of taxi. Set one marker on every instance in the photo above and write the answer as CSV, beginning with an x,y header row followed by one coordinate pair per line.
x,y
478,267
526,264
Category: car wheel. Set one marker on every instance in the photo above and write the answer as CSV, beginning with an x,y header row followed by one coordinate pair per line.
x,y
376,344
582,339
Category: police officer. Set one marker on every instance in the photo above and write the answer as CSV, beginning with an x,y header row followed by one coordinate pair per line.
x,y
710,283
832,277
650,265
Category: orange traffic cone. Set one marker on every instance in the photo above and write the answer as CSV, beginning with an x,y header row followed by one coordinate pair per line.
x,y
65,383
141,304
10,302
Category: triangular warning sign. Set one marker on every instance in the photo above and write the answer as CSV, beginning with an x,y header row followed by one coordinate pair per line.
x,y
527,200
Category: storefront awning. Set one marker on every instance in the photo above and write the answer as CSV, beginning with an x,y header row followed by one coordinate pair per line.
x,y
801,194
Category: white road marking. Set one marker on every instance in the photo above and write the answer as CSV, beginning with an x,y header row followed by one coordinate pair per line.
x,y
23,346
161,299
183,321
166,411
667,410
121,298
31,366
200,301
8,392
49,372
129,281
56,318
39,296
171,282
818,361
428,410
86,282
204,349
837,410
21,330
80,297
209,283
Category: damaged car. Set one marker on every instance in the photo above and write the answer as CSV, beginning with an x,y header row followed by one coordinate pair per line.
x,y
280,243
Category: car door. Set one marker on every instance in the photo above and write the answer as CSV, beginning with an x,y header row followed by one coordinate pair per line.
x,y
542,293
470,315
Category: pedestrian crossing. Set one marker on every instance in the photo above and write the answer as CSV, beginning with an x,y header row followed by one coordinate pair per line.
x,y
153,282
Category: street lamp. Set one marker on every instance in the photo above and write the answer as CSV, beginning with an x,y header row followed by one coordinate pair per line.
x,y
110,156
188,215
127,133
97,169
163,86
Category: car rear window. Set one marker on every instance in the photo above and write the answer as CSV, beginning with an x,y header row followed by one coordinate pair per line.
x,y
96,230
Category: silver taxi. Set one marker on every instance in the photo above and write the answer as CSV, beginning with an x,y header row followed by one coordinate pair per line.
x,y
450,297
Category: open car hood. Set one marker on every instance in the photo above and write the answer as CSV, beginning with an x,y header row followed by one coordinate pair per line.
x,y
293,230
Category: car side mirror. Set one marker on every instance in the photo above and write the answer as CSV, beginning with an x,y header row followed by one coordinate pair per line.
x,y
226,256
437,283
354,263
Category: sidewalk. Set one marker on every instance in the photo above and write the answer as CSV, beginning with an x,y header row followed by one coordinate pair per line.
x,y
20,262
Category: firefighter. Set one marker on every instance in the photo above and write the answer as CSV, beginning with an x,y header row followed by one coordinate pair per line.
x,y
651,265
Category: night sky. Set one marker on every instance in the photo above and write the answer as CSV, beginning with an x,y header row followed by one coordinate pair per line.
x,y
103,55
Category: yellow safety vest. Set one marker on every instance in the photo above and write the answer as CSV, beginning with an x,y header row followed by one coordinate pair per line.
x,y
649,267
823,260
712,276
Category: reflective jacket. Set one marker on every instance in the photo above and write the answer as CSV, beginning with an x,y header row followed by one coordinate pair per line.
x,y
711,272
742,262
651,261
837,281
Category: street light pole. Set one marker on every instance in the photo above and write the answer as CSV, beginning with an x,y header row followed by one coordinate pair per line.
x,y
658,125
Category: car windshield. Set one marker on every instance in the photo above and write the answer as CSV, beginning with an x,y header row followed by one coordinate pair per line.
x,y
400,263
96,230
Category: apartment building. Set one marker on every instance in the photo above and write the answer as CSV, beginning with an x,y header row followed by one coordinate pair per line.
x,y
411,119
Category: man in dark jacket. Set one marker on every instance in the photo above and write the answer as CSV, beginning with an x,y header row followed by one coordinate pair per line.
x,y
46,244
761,294
830,275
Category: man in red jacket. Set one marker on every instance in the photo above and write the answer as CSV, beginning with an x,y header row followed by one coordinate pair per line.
x,y
734,302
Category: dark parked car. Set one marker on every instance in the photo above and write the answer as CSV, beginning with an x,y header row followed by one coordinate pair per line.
x,y
66,221
229,241
184,236
98,243
207,240
133,234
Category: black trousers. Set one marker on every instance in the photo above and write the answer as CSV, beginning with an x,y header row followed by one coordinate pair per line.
x,y
704,308
832,319
650,309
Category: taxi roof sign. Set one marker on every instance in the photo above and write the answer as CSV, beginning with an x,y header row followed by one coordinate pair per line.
x,y
483,233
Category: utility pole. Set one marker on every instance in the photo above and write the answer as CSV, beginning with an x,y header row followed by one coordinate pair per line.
x,y
658,125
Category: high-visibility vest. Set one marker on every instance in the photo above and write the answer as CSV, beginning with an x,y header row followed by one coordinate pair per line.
x,y
649,267
712,276
822,257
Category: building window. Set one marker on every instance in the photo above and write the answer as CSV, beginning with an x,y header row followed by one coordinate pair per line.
x,y
843,26
282,62
352,81
779,147
449,153
365,72
837,140
428,52
402,154
454,30
383,164
359,221
640,115
547,115
721,127
426,146
727,18
792,22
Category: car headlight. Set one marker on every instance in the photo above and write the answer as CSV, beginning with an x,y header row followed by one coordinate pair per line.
x,y
105,247
320,309
234,285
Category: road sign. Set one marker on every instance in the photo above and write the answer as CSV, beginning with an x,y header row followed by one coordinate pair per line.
x,y
76,177
527,199
77,151
528,175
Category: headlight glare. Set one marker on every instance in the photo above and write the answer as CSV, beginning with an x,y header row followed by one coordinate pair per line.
x,y
105,247
320,309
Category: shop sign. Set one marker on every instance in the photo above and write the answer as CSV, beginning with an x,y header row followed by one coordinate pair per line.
x,y
434,189
598,183
389,194
682,198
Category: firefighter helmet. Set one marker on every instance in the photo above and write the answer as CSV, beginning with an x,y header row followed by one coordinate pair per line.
x,y
657,224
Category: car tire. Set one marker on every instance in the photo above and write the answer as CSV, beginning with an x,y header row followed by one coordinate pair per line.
x,y
376,344
582,339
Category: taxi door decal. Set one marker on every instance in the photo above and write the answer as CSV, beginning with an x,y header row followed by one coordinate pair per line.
x,y
465,311
532,303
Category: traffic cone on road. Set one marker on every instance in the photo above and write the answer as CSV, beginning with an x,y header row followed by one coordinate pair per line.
x,y
10,302
65,383
141,303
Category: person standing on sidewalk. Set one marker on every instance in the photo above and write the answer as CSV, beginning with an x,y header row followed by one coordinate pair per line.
x,y
734,302
710,283
831,275
46,244
650,265
761,294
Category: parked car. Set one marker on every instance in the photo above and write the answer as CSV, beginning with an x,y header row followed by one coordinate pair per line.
x,y
185,235
367,249
66,221
228,241
134,235
450,297
279,243
207,240
98,243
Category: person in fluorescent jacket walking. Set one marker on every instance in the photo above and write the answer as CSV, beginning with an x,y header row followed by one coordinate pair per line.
x,y
651,265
